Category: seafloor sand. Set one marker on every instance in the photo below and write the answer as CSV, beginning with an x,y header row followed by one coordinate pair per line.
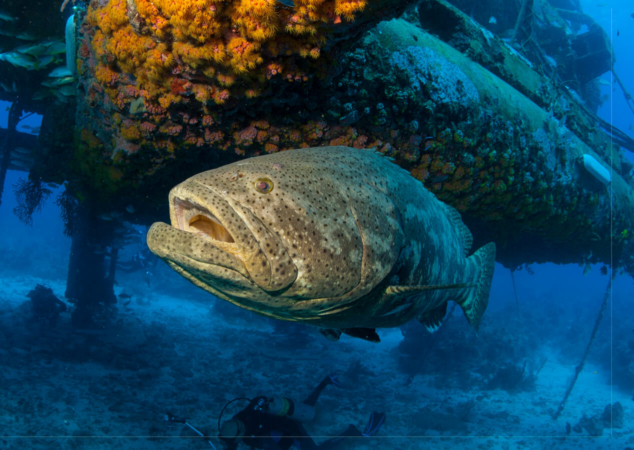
x,y
61,390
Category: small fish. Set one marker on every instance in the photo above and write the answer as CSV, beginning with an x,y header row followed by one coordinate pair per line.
x,y
6,16
288,3
587,268
60,97
127,303
56,48
58,82
19,60
44,61
7,32
21,164
604,82
130,209
26,36
124,295
492,19
41,94
33,50
68,90
8,89
33,130
60,72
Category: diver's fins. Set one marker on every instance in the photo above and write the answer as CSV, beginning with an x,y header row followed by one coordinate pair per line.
x,y
374,424
433,319
367,334
475,302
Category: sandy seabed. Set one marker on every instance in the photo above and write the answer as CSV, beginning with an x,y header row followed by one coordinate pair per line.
x,y
63,390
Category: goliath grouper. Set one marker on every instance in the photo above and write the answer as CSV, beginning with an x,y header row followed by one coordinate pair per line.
x,y
335,237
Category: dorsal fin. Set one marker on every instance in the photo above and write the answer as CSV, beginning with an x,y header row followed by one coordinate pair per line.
x,y
465,236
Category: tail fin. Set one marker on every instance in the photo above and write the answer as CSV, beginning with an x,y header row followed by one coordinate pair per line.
x,y
475,303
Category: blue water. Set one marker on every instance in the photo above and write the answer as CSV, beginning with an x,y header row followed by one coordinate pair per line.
x,y
174,348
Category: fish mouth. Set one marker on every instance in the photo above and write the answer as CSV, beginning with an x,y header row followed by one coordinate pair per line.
x,y
222,222
199,220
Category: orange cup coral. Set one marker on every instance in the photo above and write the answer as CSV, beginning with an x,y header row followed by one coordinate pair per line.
x,y
211,42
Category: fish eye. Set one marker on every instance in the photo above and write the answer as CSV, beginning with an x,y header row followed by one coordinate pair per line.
x,y
263,185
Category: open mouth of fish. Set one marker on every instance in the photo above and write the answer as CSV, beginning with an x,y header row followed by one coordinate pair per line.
x,y
198,220
226,235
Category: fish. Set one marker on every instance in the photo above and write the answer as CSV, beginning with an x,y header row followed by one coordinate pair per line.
x,y
127,303
45,60
55,82
60,72
35,130
6,32
68,90
493,20
338,238
56,48
9,89
33,50
41,94
19,60
22,151
7,17
26,36
288,3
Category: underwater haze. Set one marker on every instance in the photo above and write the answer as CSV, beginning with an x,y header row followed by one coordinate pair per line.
x,y
501,341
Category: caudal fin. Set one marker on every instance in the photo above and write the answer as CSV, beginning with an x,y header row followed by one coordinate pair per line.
x,y
475,302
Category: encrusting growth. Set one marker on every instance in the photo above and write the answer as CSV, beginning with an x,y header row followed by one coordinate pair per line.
x,y
172,48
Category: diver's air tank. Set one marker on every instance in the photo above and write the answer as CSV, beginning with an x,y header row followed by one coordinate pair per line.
x,y
281,406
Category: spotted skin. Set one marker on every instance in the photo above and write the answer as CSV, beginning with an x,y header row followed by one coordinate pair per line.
x,y
323,236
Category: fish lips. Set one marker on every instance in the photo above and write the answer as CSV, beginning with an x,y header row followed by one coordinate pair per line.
x,y
226,225
192,253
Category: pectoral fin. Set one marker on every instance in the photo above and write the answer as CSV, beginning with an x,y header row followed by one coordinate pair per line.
x,y
395,295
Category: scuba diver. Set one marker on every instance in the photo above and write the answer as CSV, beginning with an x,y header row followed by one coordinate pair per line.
x,y
275,423
143,260
45,305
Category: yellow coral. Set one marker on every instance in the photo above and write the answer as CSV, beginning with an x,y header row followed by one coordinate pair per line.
x,y
222,40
